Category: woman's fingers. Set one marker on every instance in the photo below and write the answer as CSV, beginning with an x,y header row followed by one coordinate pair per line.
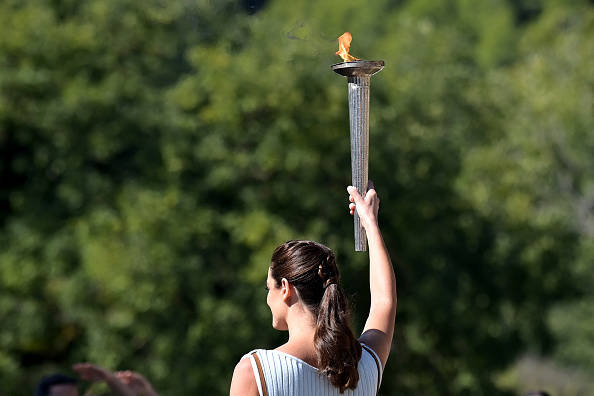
x,y
366,207
355,196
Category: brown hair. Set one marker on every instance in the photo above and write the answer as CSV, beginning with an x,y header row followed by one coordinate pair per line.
x,y
311,268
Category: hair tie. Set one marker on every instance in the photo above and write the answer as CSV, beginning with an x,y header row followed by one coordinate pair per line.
x,y
331,281
328,276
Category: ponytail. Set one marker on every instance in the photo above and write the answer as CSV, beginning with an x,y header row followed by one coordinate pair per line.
x,y
338,350
312,269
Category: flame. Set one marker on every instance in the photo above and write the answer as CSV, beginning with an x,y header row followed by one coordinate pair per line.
x,y
344,43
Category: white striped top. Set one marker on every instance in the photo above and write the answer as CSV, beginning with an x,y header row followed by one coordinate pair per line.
x,y
285,374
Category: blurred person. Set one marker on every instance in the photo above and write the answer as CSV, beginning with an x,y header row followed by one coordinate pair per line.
x,y
122,383
57,385
322,355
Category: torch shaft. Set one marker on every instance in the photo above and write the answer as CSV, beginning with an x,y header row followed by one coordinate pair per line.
x,y
359,122
359,74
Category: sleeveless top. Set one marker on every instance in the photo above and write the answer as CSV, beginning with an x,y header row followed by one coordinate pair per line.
x,y
284,374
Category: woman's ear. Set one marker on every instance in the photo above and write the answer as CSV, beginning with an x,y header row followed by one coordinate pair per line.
x,y
286,289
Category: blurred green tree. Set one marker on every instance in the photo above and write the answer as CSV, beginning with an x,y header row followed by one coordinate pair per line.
x,y
154,153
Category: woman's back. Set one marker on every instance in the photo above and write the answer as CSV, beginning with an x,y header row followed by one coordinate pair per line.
x,y
285,374
306,299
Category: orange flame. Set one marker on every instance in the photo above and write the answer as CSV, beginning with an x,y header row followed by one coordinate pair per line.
x,y
344,43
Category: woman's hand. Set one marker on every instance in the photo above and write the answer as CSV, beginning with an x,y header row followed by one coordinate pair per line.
x,y
367,208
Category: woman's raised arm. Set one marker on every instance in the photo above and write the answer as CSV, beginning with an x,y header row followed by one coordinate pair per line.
x,y
379,328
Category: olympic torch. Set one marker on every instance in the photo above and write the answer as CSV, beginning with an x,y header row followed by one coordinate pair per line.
x,y
358,73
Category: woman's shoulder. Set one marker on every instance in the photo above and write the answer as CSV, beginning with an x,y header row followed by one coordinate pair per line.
x,y
244,382
370,351
370,364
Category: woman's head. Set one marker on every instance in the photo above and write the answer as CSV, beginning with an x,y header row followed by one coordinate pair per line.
x,y
309,266
312,270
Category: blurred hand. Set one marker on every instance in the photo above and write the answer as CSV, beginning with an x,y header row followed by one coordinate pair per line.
x,y
92,373
136,382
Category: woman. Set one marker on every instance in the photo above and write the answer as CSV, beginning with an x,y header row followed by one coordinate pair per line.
x,y
322,356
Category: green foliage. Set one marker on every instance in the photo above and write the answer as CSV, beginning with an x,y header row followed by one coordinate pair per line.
x,y
153,154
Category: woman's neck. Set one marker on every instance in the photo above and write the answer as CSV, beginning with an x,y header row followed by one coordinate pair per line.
x,y
302,330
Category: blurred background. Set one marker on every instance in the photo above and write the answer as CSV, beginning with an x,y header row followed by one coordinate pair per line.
x,y
153,154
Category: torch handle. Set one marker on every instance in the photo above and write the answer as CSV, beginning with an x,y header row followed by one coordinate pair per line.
x,y
359,123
